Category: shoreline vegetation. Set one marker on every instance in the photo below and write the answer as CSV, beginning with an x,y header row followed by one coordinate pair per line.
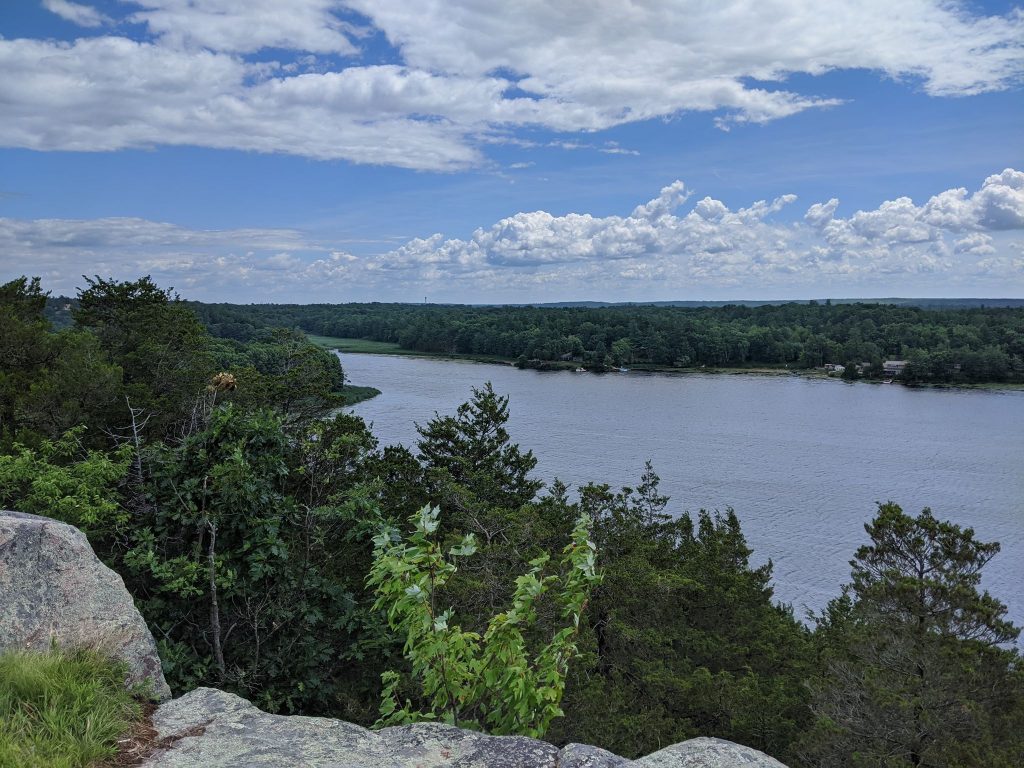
x,y
949,345
368,347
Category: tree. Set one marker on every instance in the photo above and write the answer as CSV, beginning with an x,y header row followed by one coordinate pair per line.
x,y
472,451
917,671
78,387
622,352
495,680
472,469
291,375
25,346
158,343
250,565
682,637
64,480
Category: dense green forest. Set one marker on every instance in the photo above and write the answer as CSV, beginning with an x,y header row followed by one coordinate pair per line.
x,y
265,535
941,345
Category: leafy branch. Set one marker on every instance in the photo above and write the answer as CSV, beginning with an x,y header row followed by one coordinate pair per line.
x,y
494,681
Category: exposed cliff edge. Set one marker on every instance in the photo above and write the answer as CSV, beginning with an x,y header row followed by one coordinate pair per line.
x,y
54,587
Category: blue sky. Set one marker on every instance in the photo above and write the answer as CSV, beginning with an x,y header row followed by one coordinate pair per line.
x,y
475,151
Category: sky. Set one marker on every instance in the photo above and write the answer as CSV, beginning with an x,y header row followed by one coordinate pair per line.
x,y
477,151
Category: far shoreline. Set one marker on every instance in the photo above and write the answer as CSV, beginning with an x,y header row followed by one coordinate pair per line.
x,y
392,349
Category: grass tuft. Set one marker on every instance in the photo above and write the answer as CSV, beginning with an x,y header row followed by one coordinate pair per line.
x,y
62,709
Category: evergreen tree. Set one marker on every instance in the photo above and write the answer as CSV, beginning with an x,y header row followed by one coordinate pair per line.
x,y
684,638
25,347
471,454
473,470
916,664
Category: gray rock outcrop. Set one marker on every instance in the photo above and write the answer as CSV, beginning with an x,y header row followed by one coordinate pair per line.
x,y
214,729
707,753
53,587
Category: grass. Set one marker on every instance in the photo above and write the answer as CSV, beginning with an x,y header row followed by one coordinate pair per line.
x,y
365,346
359,345
353,395
62,709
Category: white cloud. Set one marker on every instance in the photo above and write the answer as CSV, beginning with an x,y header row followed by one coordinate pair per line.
x,y
470,71
662,246
975,244
130,233
712,245
639,60
76,13
997,205
77,96
240,26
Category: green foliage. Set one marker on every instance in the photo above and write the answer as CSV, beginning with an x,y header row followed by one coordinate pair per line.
x,y
945,343
249,562
915,662
241,511
470,467
282,370
61,709
24,346
494,681
682,638
63,480
157,342
78,386
471,452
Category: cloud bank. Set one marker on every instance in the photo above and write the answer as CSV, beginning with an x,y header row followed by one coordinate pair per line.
x,y
668,247
308,77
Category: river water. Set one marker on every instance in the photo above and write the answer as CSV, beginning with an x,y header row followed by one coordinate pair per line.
x,y
802,461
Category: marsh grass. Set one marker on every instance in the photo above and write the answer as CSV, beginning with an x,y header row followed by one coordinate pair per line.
x,y
62,709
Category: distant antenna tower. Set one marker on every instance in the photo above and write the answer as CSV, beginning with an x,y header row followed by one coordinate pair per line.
x,y
424,299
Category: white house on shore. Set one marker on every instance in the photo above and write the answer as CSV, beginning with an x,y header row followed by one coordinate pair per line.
x,y
894,367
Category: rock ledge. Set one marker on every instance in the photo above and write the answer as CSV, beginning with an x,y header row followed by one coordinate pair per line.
x,y
212,728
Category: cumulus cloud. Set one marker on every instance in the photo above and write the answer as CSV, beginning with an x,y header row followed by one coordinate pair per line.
x,y
663,246
466,71
667,244
997,205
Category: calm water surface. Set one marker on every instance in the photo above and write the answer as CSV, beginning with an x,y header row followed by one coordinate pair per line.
x,y
802,461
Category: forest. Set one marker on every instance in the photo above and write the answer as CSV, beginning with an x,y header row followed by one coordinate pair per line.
x,y
278,551
943,345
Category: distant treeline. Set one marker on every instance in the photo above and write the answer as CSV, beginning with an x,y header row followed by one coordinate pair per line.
x,y
941,345
924,303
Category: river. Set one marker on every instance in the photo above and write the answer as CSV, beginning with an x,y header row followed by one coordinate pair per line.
x,y
801,460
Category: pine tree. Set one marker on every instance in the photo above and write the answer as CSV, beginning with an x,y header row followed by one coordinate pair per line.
x,y
482,481
917,668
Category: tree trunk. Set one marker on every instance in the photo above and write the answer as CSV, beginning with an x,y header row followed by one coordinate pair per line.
x,y
218,652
